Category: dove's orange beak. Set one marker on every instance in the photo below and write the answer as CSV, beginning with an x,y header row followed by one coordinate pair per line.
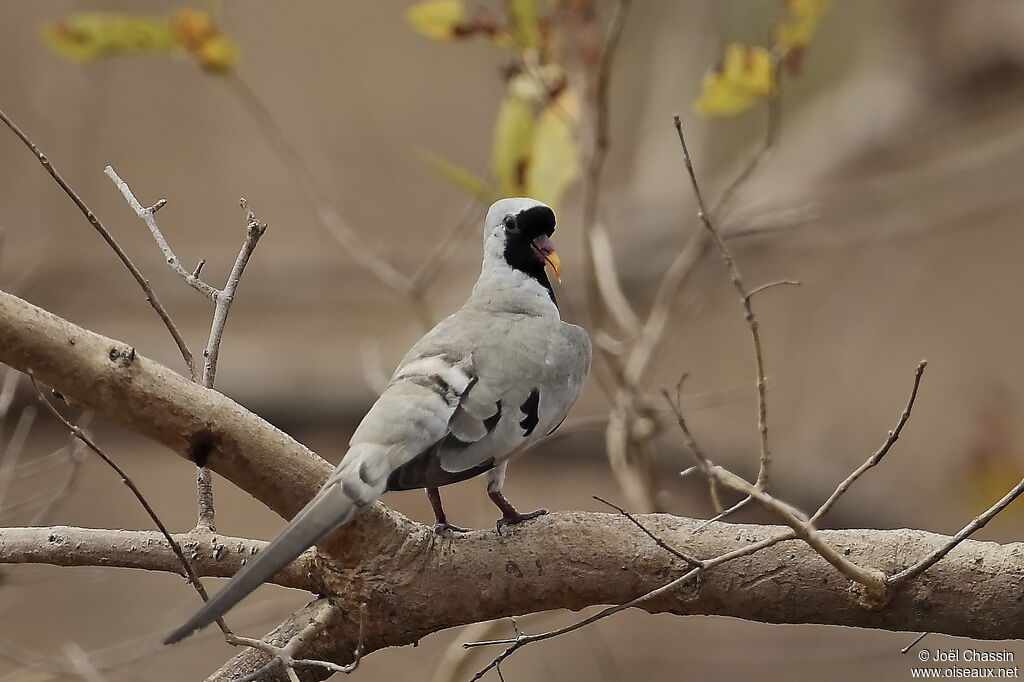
x,y
545,251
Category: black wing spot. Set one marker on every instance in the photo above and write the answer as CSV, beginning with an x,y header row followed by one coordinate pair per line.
x,y
491,422
425,471
438,385
529,410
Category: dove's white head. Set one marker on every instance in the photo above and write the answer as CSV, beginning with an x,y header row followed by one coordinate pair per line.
x,y
518,252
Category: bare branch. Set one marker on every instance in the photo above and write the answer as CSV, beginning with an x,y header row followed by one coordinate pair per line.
x,y
872,579
285,656
693,561
147,216
979,522
222,299
874,459
748,312
254,229
772,285
151,297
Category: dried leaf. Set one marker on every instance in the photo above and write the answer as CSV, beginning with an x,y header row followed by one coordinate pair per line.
x,y
437,19
192,26
217,53
800,22
90,35
513,139
746,74
555,159
461,177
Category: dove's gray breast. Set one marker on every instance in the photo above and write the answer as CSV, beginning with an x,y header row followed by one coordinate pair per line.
x,y
525,371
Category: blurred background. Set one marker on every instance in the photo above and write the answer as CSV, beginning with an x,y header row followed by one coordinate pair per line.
x,y
892,193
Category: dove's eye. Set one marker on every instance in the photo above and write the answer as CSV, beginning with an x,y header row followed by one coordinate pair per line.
x,y
510,225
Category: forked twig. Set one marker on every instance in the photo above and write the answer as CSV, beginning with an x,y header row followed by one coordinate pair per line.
x,y
285,656
222,300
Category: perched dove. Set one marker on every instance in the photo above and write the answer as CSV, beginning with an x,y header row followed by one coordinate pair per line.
x,y
476,390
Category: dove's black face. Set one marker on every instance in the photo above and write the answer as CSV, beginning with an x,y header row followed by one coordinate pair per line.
x,y
528,246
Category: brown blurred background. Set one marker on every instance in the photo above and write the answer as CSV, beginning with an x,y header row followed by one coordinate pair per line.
x,y
902,137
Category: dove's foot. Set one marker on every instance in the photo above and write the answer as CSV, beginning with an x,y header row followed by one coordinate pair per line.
x,y
509,515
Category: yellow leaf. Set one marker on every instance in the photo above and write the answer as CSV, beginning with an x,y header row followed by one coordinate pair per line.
x,y
437,19
555,158
192,26
89,35
461,177
746,75
525,27
799,23
513,138
217,53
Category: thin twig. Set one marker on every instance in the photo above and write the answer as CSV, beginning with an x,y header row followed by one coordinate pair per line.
x,y
872,579
874,459
678,273
254,229
748,312
175,547
286,655
916,641
693,561
979,522
223,299
151,297
772,285
147,216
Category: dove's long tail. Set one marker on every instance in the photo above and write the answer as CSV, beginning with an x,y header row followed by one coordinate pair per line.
x,y
346,493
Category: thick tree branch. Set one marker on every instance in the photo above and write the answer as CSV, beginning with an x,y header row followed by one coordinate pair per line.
x,y
573,560
200,424
414,583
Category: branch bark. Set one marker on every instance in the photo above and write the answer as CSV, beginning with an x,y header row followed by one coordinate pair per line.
x,y
415,583
200,424
209,554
